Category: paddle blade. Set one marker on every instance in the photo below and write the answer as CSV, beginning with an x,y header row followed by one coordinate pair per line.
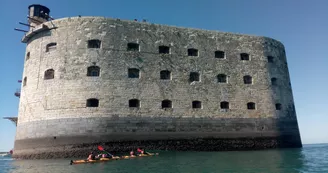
x,y
100,148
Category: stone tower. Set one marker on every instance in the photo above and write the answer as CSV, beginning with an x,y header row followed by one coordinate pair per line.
x,y
126,84
38,14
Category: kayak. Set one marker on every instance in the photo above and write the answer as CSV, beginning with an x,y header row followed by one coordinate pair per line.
x,y
93,161
149,154
140,155
128,157
109,159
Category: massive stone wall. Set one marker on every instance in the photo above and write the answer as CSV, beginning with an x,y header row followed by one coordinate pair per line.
x,y
55,109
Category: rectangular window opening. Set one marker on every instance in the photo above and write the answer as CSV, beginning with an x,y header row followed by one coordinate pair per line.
x,y
165,75
219,54
133,73
166,104
196,104
94,43
244,57
134,103
194,77
192,52
51,47
133,47
164,50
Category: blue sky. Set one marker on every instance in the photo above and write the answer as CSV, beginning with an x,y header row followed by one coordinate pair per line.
x,y
302,26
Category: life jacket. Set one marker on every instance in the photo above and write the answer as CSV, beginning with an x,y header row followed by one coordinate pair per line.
x,y
139,150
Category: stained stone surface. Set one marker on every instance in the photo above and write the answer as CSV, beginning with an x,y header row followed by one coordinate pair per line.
x,y
53,117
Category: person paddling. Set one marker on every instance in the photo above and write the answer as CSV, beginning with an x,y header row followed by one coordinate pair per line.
x,y
132,154
142,151
91,156
108,155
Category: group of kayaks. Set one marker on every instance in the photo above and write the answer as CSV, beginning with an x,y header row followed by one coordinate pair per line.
x,y
113,158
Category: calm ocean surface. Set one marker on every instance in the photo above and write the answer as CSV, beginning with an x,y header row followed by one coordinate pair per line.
x,y
311,158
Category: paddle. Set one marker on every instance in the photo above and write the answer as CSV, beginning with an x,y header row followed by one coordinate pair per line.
x,y
102,149
145,152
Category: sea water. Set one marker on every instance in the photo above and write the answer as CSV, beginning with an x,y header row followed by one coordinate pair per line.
x,y
310,158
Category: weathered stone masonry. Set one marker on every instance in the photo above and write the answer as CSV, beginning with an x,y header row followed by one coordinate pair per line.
x,y
54,118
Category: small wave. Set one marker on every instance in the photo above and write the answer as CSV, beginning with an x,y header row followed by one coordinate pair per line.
x,y
7,159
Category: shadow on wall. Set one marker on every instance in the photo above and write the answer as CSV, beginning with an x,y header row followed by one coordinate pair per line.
x,y
285,122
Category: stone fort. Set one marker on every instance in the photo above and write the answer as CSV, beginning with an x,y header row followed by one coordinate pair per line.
x,y
124,84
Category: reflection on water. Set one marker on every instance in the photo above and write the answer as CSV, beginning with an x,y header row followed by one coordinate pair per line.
x,y
311,158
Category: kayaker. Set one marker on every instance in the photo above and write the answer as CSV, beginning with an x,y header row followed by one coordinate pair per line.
x,y
142,151
139,151
98,156
108,155
132,154
91,156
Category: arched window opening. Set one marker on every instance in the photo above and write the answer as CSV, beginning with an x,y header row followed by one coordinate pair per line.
x,y
133,47
133,73
165,75
219,54
166,104
274,81
224,105
163,49
270,59
196,104
24,81
251,105
248,79
192,52
51,47
194,77
49,74
92,102
93,71
222,78
27,56
134,103
244,56
94,43
278,106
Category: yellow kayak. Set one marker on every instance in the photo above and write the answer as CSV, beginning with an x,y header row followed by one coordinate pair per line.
x,y
109,159
128,157
149,154
140,155
93,161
